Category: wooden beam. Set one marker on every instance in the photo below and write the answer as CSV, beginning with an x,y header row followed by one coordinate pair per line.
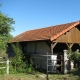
x,y
35,46
54,44
52,47
69,45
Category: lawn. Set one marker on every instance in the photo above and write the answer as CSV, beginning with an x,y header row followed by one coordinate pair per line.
x,y
40,76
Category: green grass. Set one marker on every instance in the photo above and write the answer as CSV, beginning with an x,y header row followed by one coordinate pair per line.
x,y
21,77
73,75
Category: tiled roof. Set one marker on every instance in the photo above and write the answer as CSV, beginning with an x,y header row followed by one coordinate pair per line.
x,y
48,33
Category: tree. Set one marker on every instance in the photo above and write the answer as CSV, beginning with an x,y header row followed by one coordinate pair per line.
x,y
5,29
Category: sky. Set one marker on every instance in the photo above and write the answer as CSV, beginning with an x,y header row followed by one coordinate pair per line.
x,y
34,14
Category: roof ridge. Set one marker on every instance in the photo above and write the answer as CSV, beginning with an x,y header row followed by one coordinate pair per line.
x,y
65,30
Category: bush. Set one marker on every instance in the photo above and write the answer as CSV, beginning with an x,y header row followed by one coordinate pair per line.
x,y
3,54
30,68
3,71
75,57
19,63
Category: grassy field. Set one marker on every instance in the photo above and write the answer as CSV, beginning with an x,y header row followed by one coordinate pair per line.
x,y
40,76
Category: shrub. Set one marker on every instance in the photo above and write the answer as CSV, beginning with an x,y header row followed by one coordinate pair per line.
x,y
30,68
3,70
19,63
75,57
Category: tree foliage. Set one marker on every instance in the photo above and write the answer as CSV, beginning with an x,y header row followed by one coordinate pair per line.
x,y
5,29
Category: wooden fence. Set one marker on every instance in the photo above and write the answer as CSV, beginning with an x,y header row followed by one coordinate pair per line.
x,y
7,65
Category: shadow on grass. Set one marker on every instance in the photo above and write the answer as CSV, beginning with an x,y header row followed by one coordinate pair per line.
x,y
75,72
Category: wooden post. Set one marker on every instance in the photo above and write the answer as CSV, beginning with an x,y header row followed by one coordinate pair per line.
x,y
51,49
52,46
7,64
35,47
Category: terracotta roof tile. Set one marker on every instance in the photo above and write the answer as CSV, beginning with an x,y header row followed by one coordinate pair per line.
x,y
51,33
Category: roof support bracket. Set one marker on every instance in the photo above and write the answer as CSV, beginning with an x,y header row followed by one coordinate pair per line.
x,y
69,45
52,46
